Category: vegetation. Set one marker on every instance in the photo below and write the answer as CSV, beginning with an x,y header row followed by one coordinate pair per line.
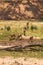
x,y
36,54
7,28
15,27
33,27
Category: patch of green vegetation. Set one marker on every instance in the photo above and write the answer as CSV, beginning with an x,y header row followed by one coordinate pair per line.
x,y
35,54
16,27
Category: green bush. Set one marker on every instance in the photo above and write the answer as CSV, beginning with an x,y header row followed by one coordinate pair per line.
x,y
33,27
8,28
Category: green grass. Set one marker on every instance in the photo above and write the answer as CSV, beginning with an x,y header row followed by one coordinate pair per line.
x,y
17,27
34,54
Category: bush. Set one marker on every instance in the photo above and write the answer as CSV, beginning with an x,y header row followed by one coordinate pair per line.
x,y
8,28
33,27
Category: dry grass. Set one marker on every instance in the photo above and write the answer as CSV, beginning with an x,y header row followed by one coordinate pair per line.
x,y
17,27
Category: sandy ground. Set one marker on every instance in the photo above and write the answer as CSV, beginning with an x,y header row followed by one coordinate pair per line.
x,y
20,61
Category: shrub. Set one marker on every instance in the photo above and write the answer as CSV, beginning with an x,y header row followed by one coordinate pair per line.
x,y
8,28
33,27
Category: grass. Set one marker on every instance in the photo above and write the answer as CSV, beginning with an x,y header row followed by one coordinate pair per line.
x,y
17,27
34,54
